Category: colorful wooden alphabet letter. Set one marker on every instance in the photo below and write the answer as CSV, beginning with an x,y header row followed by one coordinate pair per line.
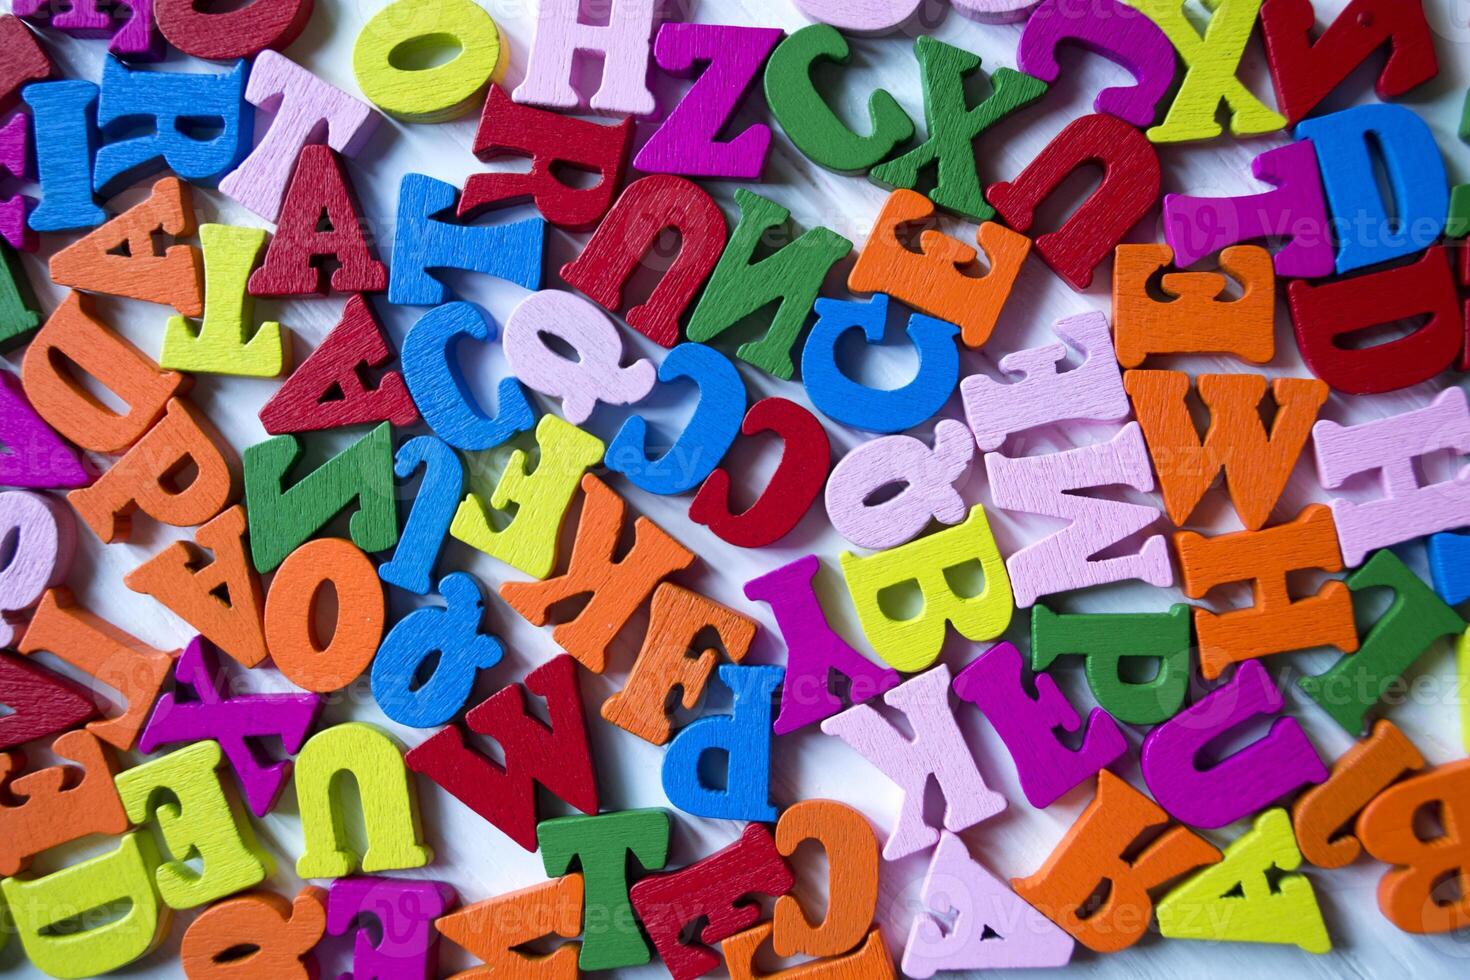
x,y
555,757
237,722
814,651
937,751
386,790
1091,854
913,643
713,890
1027,725
1247,781
744,736
1047,484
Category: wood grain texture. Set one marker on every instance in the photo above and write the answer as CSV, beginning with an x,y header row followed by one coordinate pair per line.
x,y
706,437
123,874
1354,685
132,668
65,111
953,126
936,752
433,371
173,278
1114,31
438,92
1047,484
931,280
37,456
302,250
15,161
452,634
1195,316
1129,190
646,210
1257,464
991,928
170,99
623,41
227,35
555,757
495,930
1275,622
913,643
1248,897
616,588
743,737
404,942
1045,395
1195,227
742,285
542,497
386,794
925,479
601,847
595,374
24,61
1358,777
292,622
1305,70
687,141
307,111
327,390
679,620
1244,782
422,243
1091,852
426,528
143,481
814,651
238,722
871,961
228,341
554,144
45,536
1324,317
1105,641
851,848
1418,192
282,933
713,889
75,338
1409,507
42,703
201,822
889,409
808,120
282,517
1048,768
806,456
1406,893
58,804
190,587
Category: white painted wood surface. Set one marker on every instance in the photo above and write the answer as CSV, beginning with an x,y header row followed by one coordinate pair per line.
x,y
475,858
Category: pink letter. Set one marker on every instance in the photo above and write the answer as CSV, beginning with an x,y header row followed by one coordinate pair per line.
x,y
1407,509
1063,561
938,750
302,104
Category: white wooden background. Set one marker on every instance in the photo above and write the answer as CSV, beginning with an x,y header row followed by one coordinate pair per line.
x,y
474,857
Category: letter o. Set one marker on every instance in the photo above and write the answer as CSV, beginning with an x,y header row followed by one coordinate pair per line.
x,y
290,615
435,93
